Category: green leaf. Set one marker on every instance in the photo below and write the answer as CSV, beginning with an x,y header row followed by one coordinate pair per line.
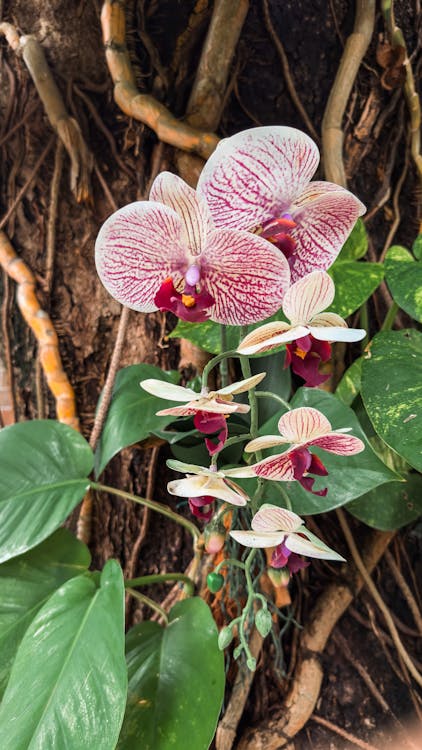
x,y
404,278
67,688
354,282
392,506
132,413
43,475
27,582
417,247
206,335
392,391
176,681
277,380
349,386
356,246
348,477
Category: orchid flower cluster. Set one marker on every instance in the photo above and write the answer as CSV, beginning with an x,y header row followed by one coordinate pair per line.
x,y
254,239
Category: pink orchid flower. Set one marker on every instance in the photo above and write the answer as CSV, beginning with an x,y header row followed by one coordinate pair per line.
x,y
280,528
302,428
259,180
168,253
310,328
201,482
209,409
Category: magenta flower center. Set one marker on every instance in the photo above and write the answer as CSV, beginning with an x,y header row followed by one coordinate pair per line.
x,y
190,302
278,232
305,356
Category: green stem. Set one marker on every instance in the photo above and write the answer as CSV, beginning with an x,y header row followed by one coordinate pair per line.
x,y
285,497
150,603
364,321
224,366
161,578
213,362
153,505
390,317
249,603
229,561
253,402
268,394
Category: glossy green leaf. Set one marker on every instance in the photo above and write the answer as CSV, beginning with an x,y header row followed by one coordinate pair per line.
x,y
392,391
392,506
348,477
356,245
349,386
27,581
354,282
132,413
43,475
207,335
277,380
417,247
176,681
67,688
404,278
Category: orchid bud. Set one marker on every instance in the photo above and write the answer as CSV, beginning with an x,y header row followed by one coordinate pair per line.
x,y
225,637
214,538
263,622
251,663
279,576
215,582
237,651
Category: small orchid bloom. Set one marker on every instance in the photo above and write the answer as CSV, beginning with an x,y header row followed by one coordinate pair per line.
x,y
310,328
280,528
200,482
302,428
167,253
259,180
209,409
202,507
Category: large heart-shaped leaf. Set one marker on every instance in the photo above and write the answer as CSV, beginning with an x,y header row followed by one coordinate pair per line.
x,y
392,391
43,475
349,386
27,581
391,506
404,277
132,413
67,688
348,477
354,282
176,681
207,335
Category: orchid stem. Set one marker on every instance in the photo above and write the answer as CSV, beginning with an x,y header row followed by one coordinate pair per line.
x,y
229,561
153,505
162,578
224,365
213,362
150,603
246,372
390,317
285,497
268,394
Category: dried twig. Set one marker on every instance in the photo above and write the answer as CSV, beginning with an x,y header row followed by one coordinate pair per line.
x,y
144,107
342,733
354,51
66,127
405,589
40,323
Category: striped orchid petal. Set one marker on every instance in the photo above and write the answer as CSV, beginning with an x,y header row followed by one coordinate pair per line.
x,y
308,297
339,443
246,276
270,336
265,441
129,253
258,540
256,175
277,468
323,226
303,425
175,193
272,518
312,547
213,407
212,486
242,385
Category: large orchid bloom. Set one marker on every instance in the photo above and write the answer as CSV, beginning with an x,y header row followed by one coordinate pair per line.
x,y
259,180
310,328
302,428
168,253
280,528
209,408
201,482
